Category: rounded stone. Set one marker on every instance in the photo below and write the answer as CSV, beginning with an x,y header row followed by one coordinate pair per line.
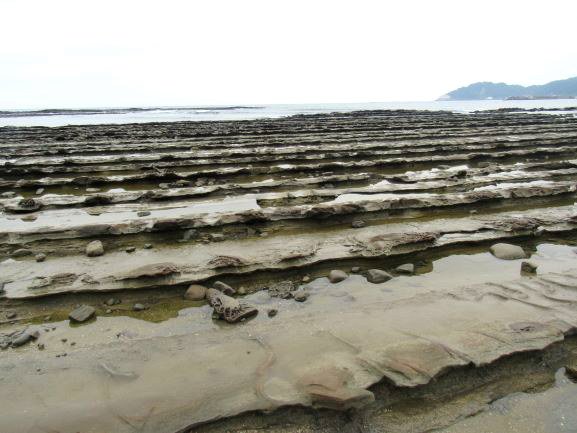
x,y
507,251
195,292
336,276
94,249
377,276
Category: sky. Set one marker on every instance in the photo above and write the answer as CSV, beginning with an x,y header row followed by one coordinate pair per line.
x,y
118,53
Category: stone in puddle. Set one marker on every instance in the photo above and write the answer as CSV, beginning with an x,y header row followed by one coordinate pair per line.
x,y
507,251
336,276
82,313
528,268
224,288
407,268
300,295
377,276
94,249
195,292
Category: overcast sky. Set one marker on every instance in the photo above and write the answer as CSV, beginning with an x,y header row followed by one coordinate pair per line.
x,y
105,53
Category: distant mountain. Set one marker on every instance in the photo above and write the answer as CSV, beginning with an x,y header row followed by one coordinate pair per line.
x,y
487,90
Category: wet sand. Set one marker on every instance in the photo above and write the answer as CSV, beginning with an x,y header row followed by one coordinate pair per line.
x,y
273,208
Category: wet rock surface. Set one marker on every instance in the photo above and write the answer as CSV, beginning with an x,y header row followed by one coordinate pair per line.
x,y
223,220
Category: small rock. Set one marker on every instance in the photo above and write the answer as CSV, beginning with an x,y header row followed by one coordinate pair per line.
x,y
29,218
108,311
143,213
407,268
11,315
528,268
94,249
376,276
358,224
300,295
8,194
21,252
336,276
539,231
82,313
195,292
111,302
306,279
355,269
147,246
24,337
217,237
39,191
507,251
40,257
138,307
92,189
272,312
130,249
473,211
41,346
224,288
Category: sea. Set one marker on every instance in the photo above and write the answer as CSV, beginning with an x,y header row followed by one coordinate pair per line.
x,y
95,116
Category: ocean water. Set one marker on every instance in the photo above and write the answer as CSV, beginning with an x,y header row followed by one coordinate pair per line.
x,y
208,113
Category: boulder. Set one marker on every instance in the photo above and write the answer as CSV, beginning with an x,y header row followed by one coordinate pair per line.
x,y
336,276
507,251
195,292
377,276
94,249
407,268
82,313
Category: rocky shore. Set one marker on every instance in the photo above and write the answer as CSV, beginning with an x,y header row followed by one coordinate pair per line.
x,y
363,271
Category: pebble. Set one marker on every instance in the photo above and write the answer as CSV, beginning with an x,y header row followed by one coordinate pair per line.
x,y
11,315
528,268
306,279
355,269
272,312
40,257
41,346
358,224
138,307
143,213
336,276
377,276
130,249
300,295
94,249
39,191
147,246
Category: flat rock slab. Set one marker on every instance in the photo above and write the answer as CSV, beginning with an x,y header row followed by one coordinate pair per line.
x,y
408,341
